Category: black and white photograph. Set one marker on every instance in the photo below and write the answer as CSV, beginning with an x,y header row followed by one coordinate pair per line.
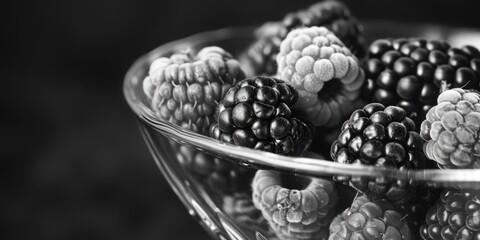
x,y
240,120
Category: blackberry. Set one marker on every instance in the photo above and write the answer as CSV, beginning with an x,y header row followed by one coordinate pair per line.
x,y
325,73
456,215
381,137
416,208
452,130
255,113
218,175
367,219
184,89
408,72
259,58
295,207
333,15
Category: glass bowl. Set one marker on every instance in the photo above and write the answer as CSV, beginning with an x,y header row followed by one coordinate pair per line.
x,y
213,179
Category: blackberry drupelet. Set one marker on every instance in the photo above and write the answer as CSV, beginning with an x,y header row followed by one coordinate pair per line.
x,y
408,72
367,219
184,89
384,138
256,113
333,15
456,215
452,129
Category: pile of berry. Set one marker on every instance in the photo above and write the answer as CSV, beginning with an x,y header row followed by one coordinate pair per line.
x,y
405,104
409,72
260,58
456,215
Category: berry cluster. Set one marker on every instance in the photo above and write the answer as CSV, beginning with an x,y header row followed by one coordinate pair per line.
x,y
408,72
184,89
220,176
452,130
333,15
382,137
319,82
456,215
325,72
367,219
256,113
301,213
415,209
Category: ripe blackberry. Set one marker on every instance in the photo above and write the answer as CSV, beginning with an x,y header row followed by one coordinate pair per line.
x,y
381,137
408,72
325,73
219,176
451,130
367,219
259,58
184,89
416,208
256,113
456,215
333,15
295,207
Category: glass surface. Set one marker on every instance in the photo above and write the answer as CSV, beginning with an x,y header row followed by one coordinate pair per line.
x,y
214,179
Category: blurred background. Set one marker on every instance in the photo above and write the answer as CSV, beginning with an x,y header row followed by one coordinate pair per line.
x,y
73,163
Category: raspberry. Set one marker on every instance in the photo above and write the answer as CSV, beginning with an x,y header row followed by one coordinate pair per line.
x,y
333,15
452,130
185,89
456,215
256,113
301,213
381,137
408,72
367,219
326,74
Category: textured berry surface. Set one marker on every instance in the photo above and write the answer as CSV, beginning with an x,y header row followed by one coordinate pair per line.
x,y
218,175
301,213
384,138
184,89
240,207
408,72
456,215
333,15
325,73
256,113
367,219
452,128
416,208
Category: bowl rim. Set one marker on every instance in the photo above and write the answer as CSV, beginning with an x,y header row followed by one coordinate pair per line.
x,y
311,164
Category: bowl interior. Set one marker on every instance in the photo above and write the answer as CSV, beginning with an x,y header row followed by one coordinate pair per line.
x,y
235,40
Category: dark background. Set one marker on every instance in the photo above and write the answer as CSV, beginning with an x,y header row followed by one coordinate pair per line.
x,y
73,164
